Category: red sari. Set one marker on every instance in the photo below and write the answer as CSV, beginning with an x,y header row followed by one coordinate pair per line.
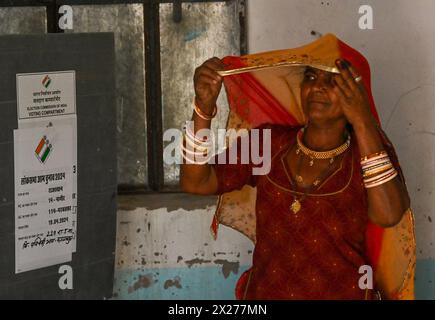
x,y
316,253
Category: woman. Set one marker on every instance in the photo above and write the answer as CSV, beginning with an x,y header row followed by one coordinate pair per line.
x,y
335,198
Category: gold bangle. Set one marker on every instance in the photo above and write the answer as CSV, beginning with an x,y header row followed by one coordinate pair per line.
x,y
373,155
374,161
379,170
203,115
375,164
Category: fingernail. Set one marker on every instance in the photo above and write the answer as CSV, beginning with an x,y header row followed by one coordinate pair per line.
x,y
345,64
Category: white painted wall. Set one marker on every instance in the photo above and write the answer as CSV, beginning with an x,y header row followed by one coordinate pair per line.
x,y
400,50
165,250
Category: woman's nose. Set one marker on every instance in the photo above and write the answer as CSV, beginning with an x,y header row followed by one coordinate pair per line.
x,y
322,83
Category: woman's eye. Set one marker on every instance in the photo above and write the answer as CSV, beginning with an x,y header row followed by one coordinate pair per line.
x,y
310,77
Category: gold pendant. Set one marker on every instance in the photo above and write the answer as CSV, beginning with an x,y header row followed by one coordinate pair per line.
x,y
332,160
299,179
295,206
311,162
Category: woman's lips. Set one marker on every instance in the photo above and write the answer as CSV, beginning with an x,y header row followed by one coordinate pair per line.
x,y
318,101
318,98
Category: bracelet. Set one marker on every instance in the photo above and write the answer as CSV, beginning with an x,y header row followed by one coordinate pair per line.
x,y
379,176
372,172
192,152
382,181
201,114
194,142
376,164
194,137
373,160
194,155
374,156
191,143
196,162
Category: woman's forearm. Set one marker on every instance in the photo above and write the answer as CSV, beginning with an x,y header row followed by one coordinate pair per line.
x,y
196,178
386,202
200,178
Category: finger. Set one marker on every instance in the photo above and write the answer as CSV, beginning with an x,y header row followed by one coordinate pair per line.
x,y
339,91
218,63
344,68
355,74
210,73
359,85
215,64
341,83
205,79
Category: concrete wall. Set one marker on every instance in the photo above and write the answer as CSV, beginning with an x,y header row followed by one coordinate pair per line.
x,y
400,50
165,250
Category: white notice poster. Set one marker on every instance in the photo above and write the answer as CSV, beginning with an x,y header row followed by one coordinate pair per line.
x,y
43,196
49,100
50,94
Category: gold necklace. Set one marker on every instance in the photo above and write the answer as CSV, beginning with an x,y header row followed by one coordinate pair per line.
x,y
330,154
296,204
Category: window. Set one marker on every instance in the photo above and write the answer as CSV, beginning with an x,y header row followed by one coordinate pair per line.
x,y
158,44
22,20
206,30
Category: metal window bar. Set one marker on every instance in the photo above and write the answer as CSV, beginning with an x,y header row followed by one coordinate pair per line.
x,y
153,89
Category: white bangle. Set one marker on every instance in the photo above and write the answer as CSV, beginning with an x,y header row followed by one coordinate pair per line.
x,y
193,136
371,185
197,142
200,148
380,176
185,152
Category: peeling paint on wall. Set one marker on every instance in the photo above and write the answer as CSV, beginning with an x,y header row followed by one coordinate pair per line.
x,y
172,254
228,267
192,262
144,281
173,283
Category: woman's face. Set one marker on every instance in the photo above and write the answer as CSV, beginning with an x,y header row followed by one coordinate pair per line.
x,y
319,101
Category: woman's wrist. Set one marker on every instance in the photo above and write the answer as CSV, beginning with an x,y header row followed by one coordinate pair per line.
x,y
364,125
204,115
205,107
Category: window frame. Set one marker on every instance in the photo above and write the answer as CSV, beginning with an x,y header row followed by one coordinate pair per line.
x,y
153,86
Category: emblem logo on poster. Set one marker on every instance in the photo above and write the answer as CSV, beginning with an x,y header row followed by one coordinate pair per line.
x,y
43,150
46,81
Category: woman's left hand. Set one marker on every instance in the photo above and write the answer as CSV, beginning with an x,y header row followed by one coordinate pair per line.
x,y
352,95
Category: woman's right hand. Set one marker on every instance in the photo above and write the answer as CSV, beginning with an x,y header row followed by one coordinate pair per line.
x,y
208,84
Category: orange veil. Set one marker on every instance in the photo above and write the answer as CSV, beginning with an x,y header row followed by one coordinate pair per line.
x,y
265,88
